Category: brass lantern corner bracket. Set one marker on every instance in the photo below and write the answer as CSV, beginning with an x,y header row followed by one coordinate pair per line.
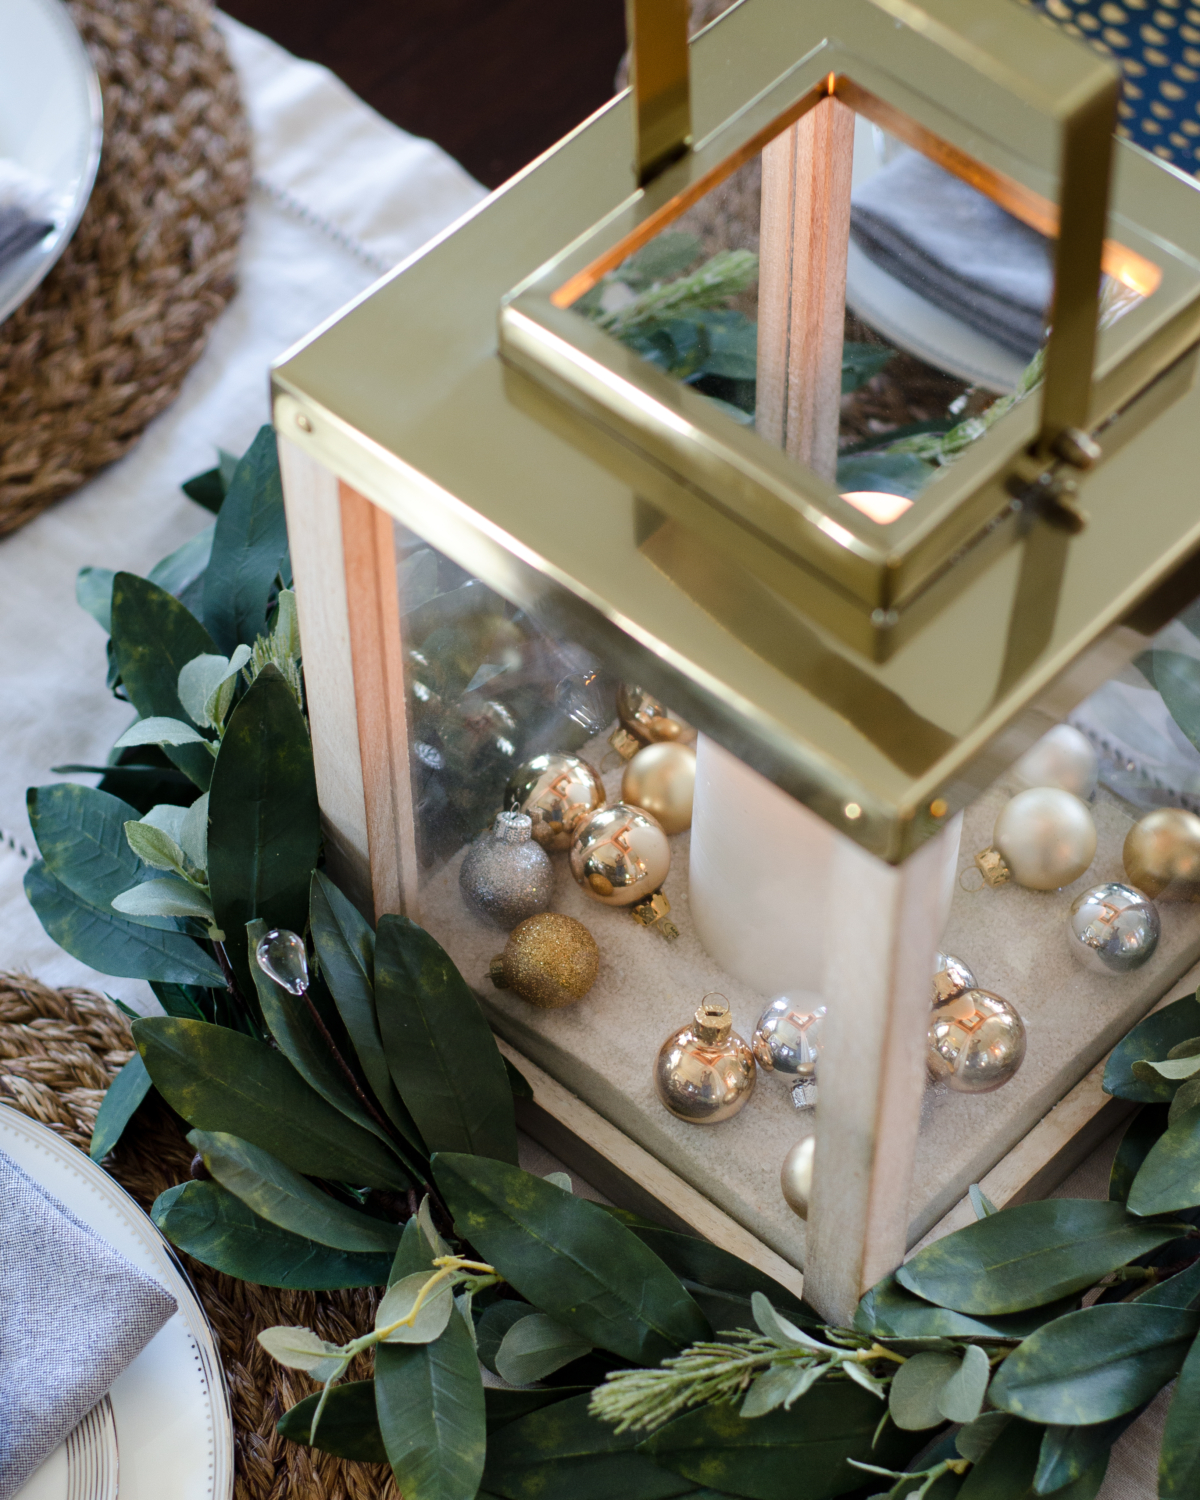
x,y
660,82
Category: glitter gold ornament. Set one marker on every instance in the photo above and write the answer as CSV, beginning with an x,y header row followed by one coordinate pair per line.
x,y
551,960
705,1072
557,792
796,1177
621,856
642,720
661,780
1044,839
1162,855
976,1042
505,877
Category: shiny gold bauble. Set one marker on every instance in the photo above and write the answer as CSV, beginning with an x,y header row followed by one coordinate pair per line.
x,y
1162,855
661,780
647,720
1046,838
551,960
557,792
796,1177
705,1072
976,1042
620,855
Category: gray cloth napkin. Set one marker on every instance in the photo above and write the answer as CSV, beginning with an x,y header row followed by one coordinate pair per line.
x,y
957,249
18,232
73,1315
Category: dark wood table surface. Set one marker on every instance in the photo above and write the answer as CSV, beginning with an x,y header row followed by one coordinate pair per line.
x,y
494,82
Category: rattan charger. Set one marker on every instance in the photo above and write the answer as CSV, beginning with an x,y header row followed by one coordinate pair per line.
x,y
58,1051
103,345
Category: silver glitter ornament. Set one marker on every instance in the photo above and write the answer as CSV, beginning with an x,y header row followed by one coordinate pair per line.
x,y
506,877
950,977
976,1042
1112,929
787,1042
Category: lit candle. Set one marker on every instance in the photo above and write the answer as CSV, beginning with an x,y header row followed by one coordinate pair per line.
x,y
878,504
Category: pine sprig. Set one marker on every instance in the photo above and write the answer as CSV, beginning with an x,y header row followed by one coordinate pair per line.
x,y
723,276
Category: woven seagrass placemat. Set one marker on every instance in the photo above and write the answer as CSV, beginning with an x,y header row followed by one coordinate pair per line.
x,y
58,1051
103,345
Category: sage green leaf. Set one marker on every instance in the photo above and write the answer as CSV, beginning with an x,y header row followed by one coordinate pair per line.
x,y
802,1454
915,1396
302,1349
220,1080
1029,1255
1187,1096
193,832
1177,678
493,1326
283,1198
263,819
786,1335
93,592
349,1425
781,1385
398,1303
534,1347
168,897
1179,1457
1006,1470
1152,1038
1067,1454
570,1259
345,947
308,1048
889,1311
440,1050
80,832
153,637
975,1438
161,731
1173,1069
983,1206
429,1398
155,846
1095,1364
249,548
113,944
207,683
962,1395
563,1453
1143,1130
120,1102
216,1228
1169,1178
181,568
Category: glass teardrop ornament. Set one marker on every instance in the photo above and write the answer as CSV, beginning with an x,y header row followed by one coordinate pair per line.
x,y
281,957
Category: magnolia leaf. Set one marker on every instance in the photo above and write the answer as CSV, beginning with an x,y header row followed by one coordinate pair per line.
x,y
1148,1123
889,1311
430,1403
1169,1178
181,568
975,1438
534,1347
1152,1038
157,731
301,1349
1179,1458
169,897
1187,1096
192,837
249,547
1068,1454
962,1396
93,592
154,847
1170,1068
914,1399
120,1102
980,1202
80,832
1006,1469
778,1329
399,1301
437,1245
780,1386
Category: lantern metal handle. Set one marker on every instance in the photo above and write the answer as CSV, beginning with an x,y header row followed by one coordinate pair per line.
x,y
660,83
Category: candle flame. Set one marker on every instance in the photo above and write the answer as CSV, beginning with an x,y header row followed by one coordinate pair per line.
x,y
878,504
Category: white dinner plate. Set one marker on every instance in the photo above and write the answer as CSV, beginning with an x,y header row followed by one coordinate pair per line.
x,y
170,1409
51,124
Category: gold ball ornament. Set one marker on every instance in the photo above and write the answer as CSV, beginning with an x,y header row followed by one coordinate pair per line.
x,y
557,792
1162,855
1063,757
705,1072
551,960
620,855
1044,839
661,780
796,1177
976,1042
644,721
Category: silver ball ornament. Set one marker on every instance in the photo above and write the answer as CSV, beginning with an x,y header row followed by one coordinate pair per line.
x,y
1063,758
976,1042
787,1042
796,1177
1112,929
950,977
505,876
1045,837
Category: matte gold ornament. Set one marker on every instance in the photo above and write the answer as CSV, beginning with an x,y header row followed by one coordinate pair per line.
x,y
1162,855
796,1177
976,1042
1044,839
644,721
661,780
505,877
621,856
557,792
705,1072
950,977
551,960
1063,758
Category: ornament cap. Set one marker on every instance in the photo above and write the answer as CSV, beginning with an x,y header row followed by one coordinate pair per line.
x,y
653,912
497,973
625,744
990,864
713,1019
513,827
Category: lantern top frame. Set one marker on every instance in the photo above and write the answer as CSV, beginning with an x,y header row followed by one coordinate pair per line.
x,y
405,396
